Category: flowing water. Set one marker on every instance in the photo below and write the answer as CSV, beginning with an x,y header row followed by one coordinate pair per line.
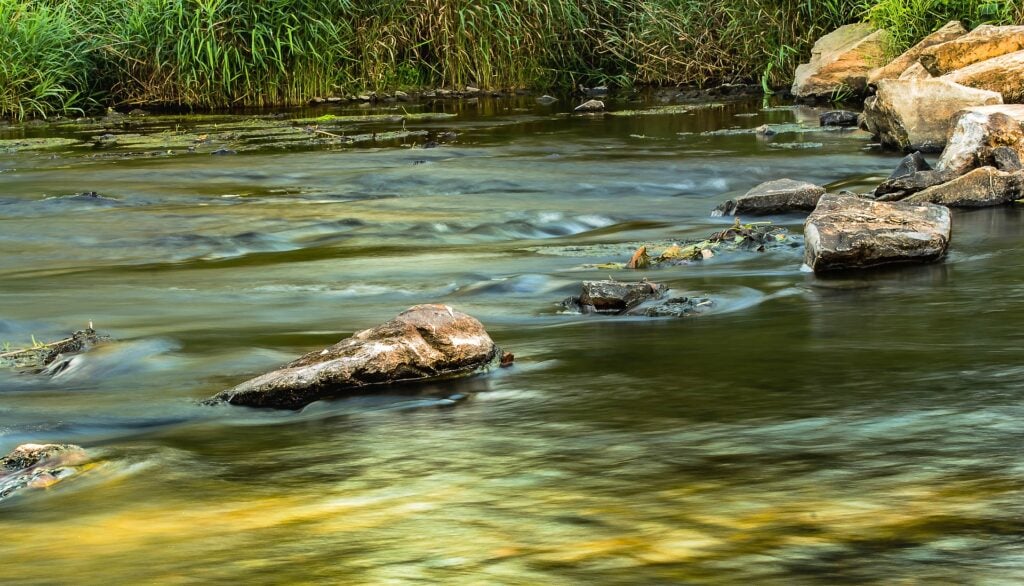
x,y
865,429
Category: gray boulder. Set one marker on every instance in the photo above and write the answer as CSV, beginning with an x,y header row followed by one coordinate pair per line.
x,y
1006,159
774,197
847,232
910,164
423,343
982,187
614,297
897,188
843,118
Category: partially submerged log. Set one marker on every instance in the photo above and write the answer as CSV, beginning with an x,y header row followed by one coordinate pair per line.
x,y
39,356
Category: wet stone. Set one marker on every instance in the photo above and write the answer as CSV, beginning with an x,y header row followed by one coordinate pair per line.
x,y
774,197
910,164
423,343
843,118
37,466
854,233
1006,159
591,106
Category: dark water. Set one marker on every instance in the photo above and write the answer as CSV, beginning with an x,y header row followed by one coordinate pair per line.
x,y
855,430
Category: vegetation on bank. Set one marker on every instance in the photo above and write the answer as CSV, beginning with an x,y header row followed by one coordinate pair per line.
x,y
62,55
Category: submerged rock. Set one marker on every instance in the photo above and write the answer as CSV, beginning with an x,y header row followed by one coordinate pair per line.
x,y
841,61
847,232
839,118
773,197
977,133
546,100
982,43
641,299
614,297
982,187
37,466
423,343
918,114
899,66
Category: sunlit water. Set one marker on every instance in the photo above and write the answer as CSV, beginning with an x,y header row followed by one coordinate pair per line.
x,y
865,429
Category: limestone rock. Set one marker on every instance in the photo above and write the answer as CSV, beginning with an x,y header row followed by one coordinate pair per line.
x,y
982,187
982,43
977,132
909,59
422,343
1004,74
846,232
841,61
915,71
774,197
917,114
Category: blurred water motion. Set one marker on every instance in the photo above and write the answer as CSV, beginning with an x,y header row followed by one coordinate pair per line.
x,y
860,430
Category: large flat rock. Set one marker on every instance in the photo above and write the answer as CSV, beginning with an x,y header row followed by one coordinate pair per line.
x,y
981,44
900,65
423,343
1003,74
918,114
841,61
848,232
982,187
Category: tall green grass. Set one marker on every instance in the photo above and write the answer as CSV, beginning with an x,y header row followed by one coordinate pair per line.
x,y
57,55
44,63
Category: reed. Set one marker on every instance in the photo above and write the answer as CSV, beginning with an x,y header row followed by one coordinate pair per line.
x,y
57,55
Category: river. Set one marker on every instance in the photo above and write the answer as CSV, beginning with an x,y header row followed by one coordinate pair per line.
x,y
864,429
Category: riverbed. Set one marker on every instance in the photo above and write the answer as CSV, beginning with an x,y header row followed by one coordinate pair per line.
x,y
863,429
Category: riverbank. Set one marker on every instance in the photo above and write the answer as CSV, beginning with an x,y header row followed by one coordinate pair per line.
x,y
86,56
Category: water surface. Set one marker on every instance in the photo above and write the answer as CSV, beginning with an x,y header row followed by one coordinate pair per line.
x,y
857,430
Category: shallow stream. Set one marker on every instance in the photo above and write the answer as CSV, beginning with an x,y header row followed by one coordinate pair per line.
x,y
862,429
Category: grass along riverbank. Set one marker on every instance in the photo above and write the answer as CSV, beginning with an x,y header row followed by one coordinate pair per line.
x,y
78,55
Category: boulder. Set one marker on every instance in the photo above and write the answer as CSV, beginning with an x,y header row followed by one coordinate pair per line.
x,y
839,118
1006,159
614,297
917,114
774,197
846,232
639,299
982,187
37,466
915,71
841,61
909,59
1004,74
910,164
982,43
423,343
897,188
977,132
591,106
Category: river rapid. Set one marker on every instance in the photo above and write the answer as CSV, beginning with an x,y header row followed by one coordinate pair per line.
x,y
864,429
